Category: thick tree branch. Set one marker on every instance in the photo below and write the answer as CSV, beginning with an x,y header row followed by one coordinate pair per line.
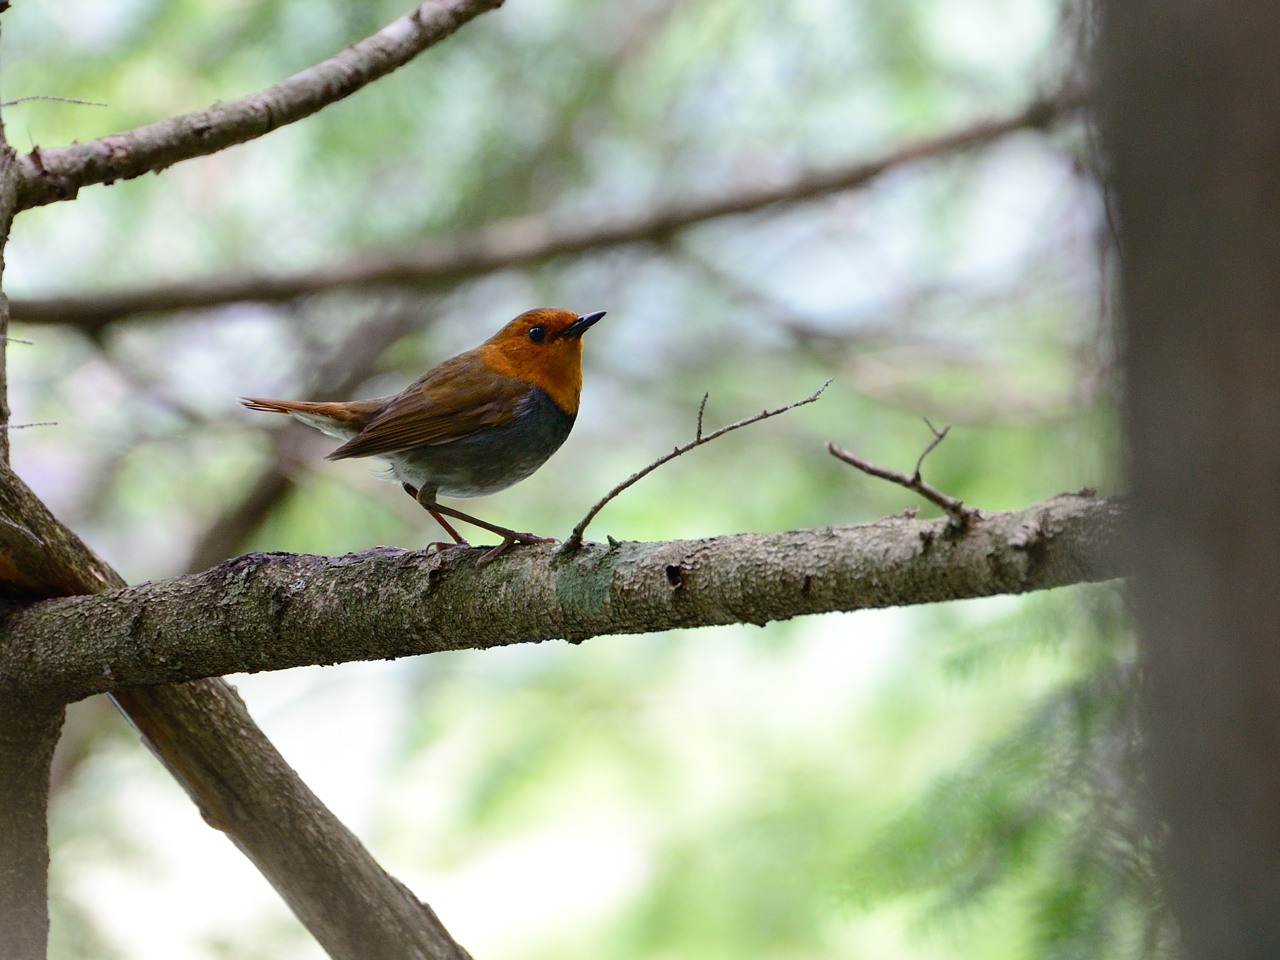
x,y
443,261
57,174
271,611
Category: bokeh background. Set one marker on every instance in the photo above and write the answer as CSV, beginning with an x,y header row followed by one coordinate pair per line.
x,y
938,782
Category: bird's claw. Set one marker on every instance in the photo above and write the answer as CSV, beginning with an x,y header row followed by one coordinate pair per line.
x,y
508,542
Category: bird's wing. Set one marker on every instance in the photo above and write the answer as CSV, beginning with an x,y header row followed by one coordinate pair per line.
x,y
449,402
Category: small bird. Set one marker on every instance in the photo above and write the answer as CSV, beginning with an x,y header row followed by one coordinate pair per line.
x,y
470,426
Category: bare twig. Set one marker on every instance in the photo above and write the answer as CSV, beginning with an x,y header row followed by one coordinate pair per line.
x,y
938,437
574,540
961,516
24,426
52,99
57,174
444,261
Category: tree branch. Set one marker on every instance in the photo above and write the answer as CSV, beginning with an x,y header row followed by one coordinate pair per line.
x,y
244,788
444,261
58,174
268,611
961,516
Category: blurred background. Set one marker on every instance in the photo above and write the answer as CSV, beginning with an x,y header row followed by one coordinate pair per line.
x,y
923,783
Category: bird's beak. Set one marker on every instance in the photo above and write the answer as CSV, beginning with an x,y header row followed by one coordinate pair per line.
x,y
575,330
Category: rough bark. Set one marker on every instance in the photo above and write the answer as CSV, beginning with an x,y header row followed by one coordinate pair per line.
x,y
1192,93
272,611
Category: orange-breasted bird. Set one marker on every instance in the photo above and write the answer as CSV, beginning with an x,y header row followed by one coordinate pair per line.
x,y
472,425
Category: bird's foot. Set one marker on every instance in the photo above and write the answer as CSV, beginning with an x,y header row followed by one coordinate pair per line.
x,y
509,539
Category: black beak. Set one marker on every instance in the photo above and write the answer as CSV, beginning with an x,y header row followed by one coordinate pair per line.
x,y
575,330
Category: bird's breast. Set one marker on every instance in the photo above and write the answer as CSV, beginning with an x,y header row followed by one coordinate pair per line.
x,y
491,459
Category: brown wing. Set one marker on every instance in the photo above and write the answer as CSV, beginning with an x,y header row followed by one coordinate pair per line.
x,y
448,402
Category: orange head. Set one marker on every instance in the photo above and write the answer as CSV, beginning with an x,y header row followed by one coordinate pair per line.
x,y
543,347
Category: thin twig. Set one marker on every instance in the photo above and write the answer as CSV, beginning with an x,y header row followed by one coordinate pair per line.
x,y
938,437
961,516
53,99
24,426
574,540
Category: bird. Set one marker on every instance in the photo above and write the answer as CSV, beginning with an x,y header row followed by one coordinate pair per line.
x,y
471,425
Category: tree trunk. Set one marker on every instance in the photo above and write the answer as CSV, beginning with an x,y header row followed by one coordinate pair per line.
x,y
28,733
1192,126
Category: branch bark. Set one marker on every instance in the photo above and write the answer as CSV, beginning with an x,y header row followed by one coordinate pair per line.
x,y
272,611
444,261
47,176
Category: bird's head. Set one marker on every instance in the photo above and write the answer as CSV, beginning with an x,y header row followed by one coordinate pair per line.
x,y
543,347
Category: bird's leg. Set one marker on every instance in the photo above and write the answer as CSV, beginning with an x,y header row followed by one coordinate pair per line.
x,y
509,536
431,508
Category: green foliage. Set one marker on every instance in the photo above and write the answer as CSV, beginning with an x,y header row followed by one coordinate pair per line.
x,y
1050,808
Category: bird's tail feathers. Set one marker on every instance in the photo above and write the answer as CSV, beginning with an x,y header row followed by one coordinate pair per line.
x,y
338,419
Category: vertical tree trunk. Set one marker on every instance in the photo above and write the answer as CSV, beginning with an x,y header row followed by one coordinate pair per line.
x,y
28,732
28,728
1191,120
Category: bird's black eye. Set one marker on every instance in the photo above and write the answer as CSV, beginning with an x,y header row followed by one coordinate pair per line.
x,y
537,334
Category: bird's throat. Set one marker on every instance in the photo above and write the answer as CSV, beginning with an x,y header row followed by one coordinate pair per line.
x,y
554,368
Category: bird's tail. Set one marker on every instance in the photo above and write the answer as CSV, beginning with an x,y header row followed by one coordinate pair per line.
x,y
336,418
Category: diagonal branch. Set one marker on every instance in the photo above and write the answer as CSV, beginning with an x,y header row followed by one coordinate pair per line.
x,y
203,735
444,261
242,786
271,611
58,174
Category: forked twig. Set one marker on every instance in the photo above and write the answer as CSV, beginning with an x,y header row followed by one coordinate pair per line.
x,y
574,540
961,516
